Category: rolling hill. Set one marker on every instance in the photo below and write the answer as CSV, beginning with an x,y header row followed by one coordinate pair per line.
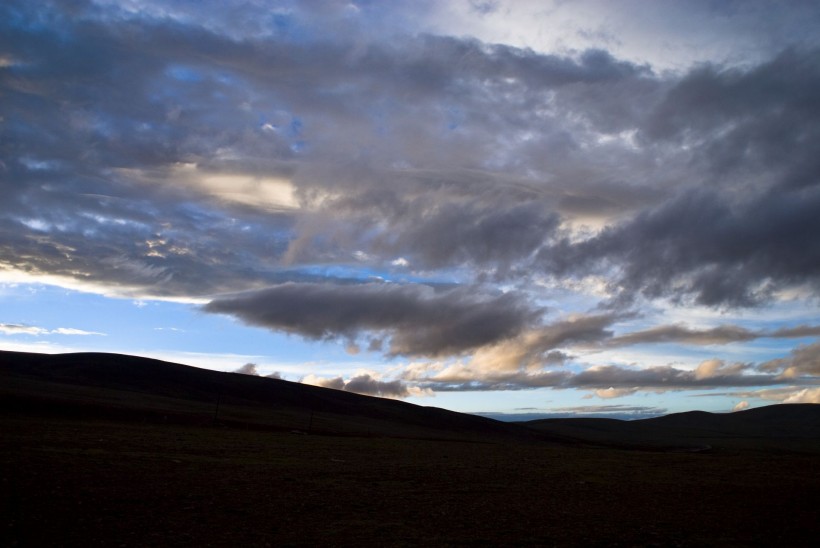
x,y
133,388
122,387
796,426
106,449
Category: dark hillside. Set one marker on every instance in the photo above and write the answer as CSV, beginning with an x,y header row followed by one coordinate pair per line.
x,y
129,387
792,426
102,450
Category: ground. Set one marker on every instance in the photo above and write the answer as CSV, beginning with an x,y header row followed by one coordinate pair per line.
x,y
90,482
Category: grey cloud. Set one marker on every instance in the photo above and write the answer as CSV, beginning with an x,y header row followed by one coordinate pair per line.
x,y
723,334
247,369
365,383
336,383
620,412
22,329
169,91
590,328
681,334
608,379
738,228
701,245
516,380
612,411
662,377
418,320
470,161
804,360
147,93
796,332
750,119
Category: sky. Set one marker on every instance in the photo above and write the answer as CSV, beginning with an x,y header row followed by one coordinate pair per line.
x,y
529,208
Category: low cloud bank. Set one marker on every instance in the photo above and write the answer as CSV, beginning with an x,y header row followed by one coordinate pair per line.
x,y
415,320
367,384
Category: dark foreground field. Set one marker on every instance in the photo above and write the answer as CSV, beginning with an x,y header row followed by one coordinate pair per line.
x,y
73,475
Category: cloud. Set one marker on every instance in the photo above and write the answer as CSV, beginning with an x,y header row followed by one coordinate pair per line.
x,y
682,334
368,174
418,320
803,360
746,129
247,369
368,384
612,411
20,329
807,395
605,381
608,393
718,368
336,383
444,152
788,394
741,405
72,331
723,334
15,329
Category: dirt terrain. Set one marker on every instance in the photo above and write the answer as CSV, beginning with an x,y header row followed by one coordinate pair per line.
x,y
76,475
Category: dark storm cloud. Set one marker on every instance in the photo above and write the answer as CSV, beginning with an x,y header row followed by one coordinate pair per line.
x,y
701,245
742,229
101,110
369,132
418,320
187,150
761,118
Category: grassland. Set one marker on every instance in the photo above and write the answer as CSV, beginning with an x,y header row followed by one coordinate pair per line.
x,y
90,478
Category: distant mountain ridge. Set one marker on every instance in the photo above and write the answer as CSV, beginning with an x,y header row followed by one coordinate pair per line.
x,y
797,425
123,387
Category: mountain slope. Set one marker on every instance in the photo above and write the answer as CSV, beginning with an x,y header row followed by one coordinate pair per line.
x,y
794,426
135,388
121,387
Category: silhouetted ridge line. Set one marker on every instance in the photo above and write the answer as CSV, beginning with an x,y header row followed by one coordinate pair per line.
x,y
795,424
131,386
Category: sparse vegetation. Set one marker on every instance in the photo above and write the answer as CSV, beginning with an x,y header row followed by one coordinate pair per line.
x,y
88,477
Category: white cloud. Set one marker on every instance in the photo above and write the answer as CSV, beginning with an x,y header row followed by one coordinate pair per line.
x,y
71,331
19,329
607,393
807,395
717,368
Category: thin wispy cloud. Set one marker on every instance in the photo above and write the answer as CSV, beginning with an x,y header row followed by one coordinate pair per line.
x,y
21,329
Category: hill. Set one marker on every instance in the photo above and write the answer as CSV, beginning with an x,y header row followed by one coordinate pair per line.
x,y
792,426
133,388
104,449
